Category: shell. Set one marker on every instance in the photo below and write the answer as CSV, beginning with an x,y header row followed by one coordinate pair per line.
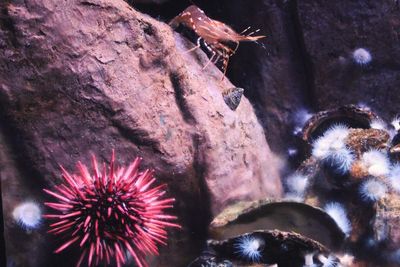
x,y
296,217
350,115
232,97
282,248
209,259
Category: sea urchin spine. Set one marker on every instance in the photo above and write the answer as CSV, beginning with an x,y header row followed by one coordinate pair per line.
x,y
111,214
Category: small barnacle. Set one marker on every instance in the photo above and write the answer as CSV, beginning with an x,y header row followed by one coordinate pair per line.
x,y
249,247
338,213
372,190
362,56
375,162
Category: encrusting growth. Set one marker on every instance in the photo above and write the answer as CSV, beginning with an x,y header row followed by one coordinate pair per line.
x,y
111,214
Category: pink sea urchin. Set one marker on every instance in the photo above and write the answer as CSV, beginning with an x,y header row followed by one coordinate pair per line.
x,y
111,213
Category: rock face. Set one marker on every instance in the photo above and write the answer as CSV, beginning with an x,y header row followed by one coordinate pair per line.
x,y
80,77
332,30
307,61
274,77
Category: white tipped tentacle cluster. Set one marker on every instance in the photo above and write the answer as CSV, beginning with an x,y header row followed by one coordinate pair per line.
x,y
249,248
339,215
330,261
297,184
376,162
362,56
28,215
378,124
372,190
331,148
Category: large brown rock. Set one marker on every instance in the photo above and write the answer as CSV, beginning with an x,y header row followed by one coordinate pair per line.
x,y
81,77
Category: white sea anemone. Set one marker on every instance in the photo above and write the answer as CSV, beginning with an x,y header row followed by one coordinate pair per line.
x,y
331,148
339,215
372,190
378,124
346,260
394,177
28,215
362,56
301,117
341,160
330,261
376,162
396,123
292,152
249,247
297,183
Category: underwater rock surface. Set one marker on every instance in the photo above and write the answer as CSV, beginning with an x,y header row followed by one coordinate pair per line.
x,y
81,77
308,60
332,32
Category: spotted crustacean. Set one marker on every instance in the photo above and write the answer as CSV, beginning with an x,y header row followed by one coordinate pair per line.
x,y
215,35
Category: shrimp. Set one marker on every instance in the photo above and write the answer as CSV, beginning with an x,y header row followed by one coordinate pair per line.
x,y
215,35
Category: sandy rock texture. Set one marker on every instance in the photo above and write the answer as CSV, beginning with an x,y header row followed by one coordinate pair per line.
x,y
80,77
